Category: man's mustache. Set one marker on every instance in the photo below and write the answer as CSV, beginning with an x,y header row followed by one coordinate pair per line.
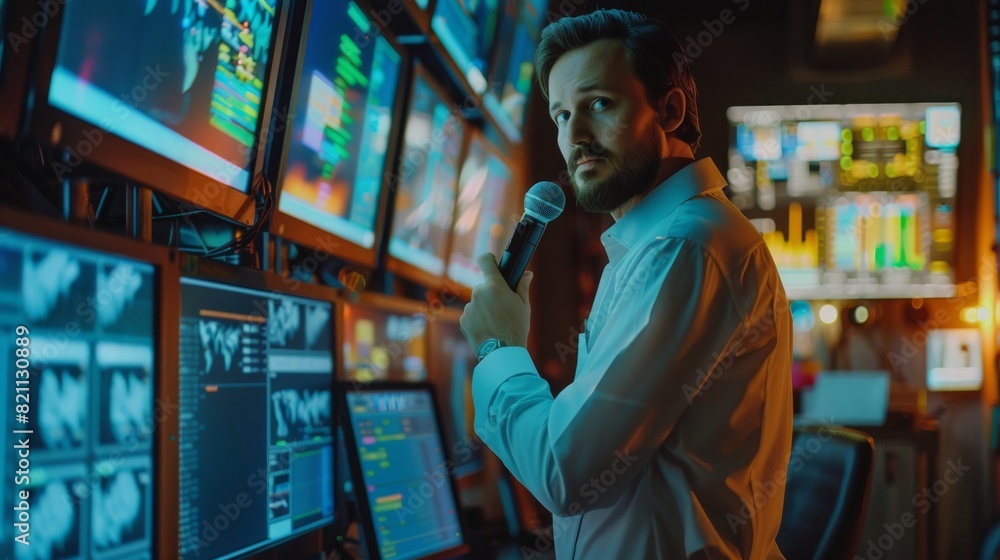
x,y
580,153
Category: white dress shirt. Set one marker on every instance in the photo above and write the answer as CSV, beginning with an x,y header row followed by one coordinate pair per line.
x,y
674,437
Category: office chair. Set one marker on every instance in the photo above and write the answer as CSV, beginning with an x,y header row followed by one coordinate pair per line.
x,y
826,493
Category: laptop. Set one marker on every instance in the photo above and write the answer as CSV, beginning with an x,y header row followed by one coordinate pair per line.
x,y
846,398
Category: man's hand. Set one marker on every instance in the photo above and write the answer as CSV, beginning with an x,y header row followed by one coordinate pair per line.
x,y
495,311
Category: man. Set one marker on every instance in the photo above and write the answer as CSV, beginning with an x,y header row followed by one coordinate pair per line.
x,y
673,439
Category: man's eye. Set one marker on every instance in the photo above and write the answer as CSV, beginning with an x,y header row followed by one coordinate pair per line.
x,y
561,117
600,103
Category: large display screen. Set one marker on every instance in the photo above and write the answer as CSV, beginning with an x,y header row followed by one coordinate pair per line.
x,y
398,444
182,79
256,427
484,218
860,198
513,70
426,181
467,30
347,86
77,401
384,345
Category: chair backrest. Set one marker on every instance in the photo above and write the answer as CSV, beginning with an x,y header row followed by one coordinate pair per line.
x,y
826,493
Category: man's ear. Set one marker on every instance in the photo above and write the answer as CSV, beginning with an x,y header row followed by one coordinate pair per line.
x,y
670,109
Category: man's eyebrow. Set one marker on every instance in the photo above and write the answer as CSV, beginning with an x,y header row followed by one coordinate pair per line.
x,y
582,89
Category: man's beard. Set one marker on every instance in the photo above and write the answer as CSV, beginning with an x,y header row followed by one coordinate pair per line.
x,y
632,174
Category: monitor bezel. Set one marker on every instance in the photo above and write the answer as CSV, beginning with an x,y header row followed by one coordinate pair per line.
x,y
381,303
193,267
133,162
357,473
295,229
165,280
395,264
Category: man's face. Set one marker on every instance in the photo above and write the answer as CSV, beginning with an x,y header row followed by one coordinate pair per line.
x,y
608,131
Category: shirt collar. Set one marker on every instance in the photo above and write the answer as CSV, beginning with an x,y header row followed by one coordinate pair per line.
x,y
696,178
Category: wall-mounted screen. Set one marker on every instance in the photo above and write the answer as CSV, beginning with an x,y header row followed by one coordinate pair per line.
x,y
77,401
256,417
513,70
426,179
384,343
339,140
184,80
484,218
856,200
467,30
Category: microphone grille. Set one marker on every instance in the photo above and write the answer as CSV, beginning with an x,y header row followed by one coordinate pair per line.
x,y
544,201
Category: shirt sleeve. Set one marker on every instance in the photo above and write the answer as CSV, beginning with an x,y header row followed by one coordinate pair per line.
x,y
667,329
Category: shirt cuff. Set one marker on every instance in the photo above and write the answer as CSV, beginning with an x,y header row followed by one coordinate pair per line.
x,y
499,366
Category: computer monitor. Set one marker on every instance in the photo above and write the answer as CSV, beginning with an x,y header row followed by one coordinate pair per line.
x,y
384,339
402,472
466,29
452,362
425,183
169,94
256,429
853,200
340,132
513,70
82,365
485,217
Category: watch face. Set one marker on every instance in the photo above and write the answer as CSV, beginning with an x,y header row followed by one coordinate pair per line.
x,y
487,347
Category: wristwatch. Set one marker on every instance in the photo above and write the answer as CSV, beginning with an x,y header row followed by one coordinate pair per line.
x,y
489,345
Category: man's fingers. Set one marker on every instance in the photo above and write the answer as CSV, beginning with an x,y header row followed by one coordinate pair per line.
x,y
488,264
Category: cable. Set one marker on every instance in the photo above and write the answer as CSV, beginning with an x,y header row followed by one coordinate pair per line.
x,y
262,193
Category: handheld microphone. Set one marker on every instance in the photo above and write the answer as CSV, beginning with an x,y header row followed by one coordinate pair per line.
x,y
543,203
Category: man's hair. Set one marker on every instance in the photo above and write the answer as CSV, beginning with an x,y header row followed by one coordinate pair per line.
x,y
653,53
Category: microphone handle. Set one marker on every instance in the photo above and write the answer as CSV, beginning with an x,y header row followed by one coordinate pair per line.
x,y
519,249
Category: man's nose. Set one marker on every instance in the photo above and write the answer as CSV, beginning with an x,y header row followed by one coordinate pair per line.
x,y
580,131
